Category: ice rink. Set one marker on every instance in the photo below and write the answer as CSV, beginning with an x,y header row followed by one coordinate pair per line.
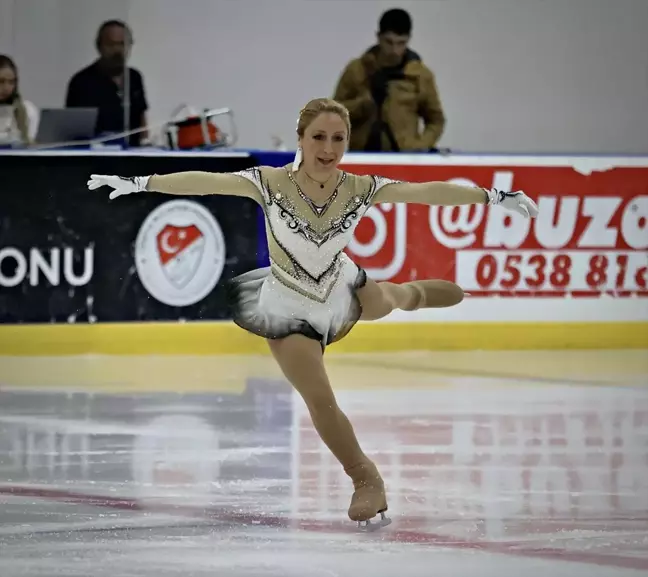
x,y
523,464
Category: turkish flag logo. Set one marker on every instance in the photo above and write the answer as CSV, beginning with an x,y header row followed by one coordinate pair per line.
x,y
180,250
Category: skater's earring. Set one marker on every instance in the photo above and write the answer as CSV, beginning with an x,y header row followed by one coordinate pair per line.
x,y
298,160
299,157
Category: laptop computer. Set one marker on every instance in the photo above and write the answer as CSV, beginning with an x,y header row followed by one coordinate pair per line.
x,y
66,125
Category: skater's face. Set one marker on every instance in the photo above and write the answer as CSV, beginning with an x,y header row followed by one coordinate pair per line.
x,y
324,143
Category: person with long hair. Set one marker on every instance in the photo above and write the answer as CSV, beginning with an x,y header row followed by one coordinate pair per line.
x,y
19,118
312,294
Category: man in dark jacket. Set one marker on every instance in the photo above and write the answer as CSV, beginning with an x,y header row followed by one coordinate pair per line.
x,y
388,90
109,85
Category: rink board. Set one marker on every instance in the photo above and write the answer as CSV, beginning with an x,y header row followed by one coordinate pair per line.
x,y
574,278
475,324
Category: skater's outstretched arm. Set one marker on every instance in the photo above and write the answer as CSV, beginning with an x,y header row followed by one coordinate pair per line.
x,y
178,183
448,194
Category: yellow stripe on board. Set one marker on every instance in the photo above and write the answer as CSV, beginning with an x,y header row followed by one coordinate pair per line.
x,y
226,338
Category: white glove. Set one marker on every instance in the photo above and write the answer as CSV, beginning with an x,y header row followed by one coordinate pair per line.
x,y
515,201
121,184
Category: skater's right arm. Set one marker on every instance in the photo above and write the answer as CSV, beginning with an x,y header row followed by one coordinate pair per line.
x,y
179,183
197,182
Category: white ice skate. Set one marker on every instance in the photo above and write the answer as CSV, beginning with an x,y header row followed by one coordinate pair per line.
x,y
369,499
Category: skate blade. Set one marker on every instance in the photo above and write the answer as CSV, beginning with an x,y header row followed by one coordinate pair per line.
x,y
370,526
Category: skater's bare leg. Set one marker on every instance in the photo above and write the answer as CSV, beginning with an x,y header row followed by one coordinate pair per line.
x,y
302,362
378,299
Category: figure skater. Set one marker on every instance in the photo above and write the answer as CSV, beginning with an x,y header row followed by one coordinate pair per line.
x,y
312,293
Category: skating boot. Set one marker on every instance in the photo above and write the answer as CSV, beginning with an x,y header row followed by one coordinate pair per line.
x,y
369,498
433,294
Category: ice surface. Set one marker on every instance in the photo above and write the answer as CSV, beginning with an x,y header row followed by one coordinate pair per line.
x,y
499,474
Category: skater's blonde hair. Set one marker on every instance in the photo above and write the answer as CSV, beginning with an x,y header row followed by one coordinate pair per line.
x,y
319,106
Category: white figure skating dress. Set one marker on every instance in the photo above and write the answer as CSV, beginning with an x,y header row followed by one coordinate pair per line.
x,y
310,285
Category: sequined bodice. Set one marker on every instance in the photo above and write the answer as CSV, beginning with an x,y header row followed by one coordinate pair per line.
x,y
306,241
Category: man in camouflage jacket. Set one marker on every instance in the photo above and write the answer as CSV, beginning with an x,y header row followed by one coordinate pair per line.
x,y
388,90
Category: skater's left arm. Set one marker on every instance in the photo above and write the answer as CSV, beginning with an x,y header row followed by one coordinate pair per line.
x,y
448,194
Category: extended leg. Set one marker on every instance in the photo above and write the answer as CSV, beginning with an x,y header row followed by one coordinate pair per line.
x,y
301,361
378,299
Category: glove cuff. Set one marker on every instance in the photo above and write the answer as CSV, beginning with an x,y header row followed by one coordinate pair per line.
x,y
141,182
493,196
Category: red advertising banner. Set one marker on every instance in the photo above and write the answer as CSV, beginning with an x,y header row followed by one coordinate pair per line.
x,y
590,238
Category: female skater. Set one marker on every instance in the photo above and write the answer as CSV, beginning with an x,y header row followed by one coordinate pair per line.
x,y
312,294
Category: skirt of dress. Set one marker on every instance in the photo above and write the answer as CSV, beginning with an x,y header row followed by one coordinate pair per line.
x,y
264,306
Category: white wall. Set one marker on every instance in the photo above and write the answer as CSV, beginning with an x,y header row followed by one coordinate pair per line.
x,y
514,75
51,39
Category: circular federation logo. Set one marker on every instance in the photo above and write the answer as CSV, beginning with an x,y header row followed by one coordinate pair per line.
x,y
180,253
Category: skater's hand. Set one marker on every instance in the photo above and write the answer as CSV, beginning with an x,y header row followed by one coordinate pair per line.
x,y
515,201
121,184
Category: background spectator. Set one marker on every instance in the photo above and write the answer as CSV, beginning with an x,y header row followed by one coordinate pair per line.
x,y
389,90
18,117
103,84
